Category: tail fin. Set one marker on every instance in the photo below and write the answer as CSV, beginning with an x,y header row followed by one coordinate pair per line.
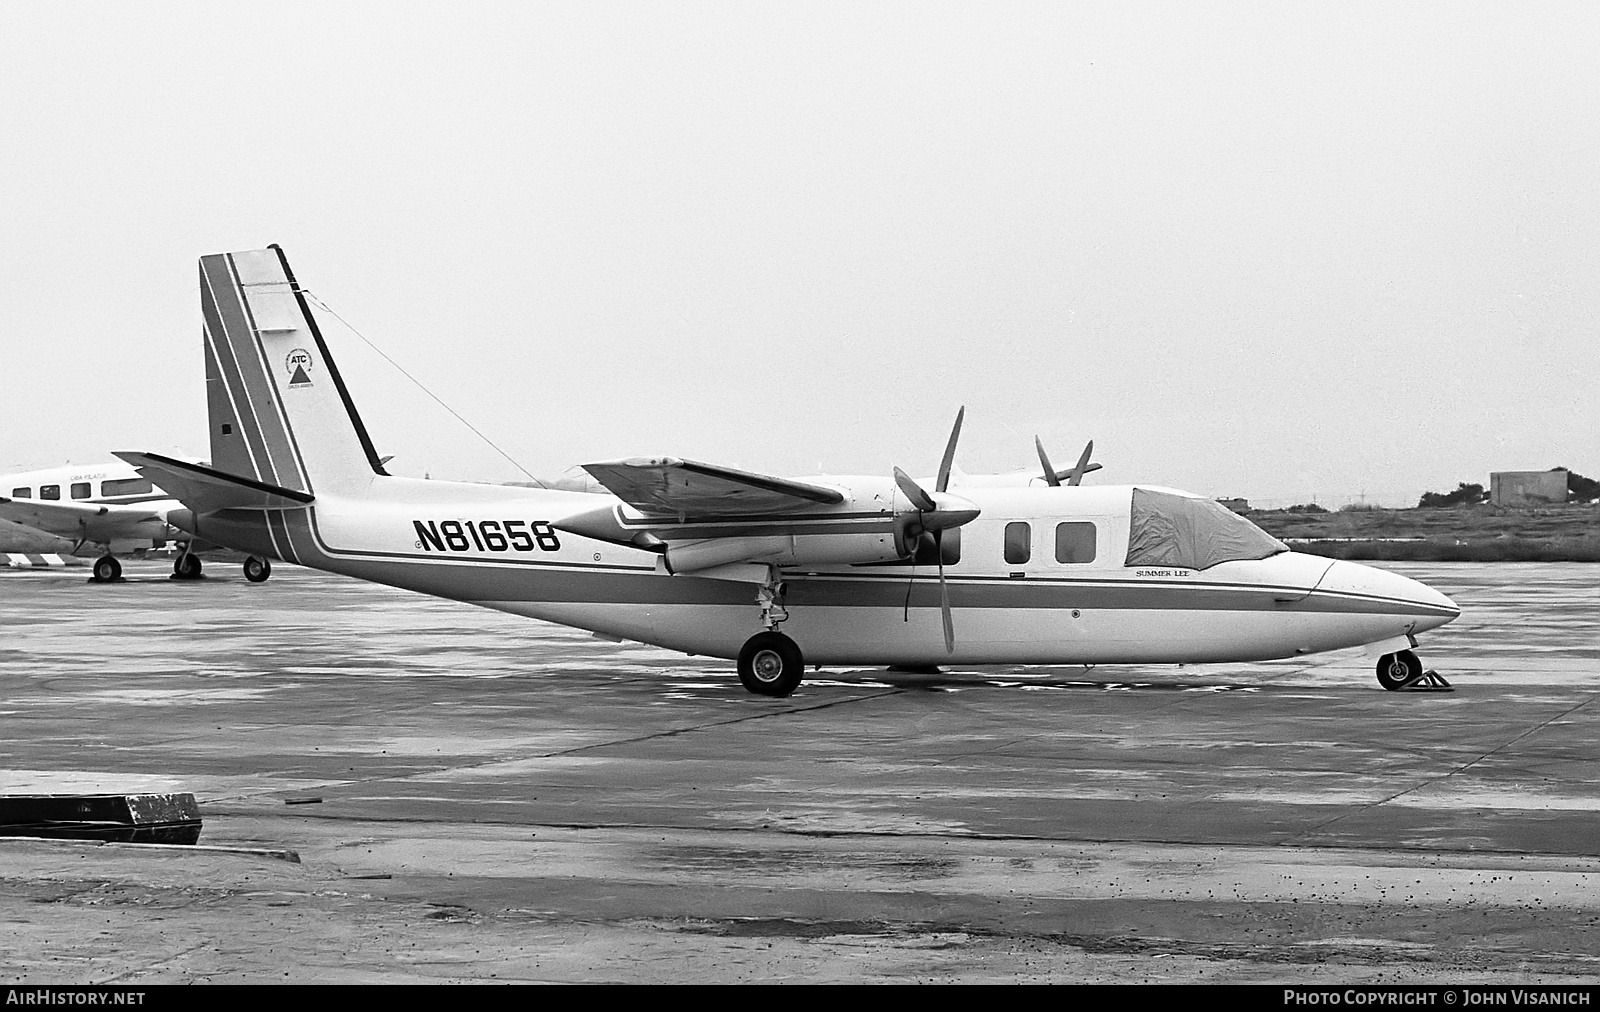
x,y
279,410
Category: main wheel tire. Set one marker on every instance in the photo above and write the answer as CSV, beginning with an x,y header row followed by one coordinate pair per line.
x,y
186,567
106,569
770,664
1395,670
257,570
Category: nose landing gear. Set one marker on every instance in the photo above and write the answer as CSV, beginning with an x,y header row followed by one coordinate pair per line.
x,y
186,566
1403,670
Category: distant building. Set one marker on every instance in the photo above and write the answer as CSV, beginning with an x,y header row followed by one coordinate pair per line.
x,y
1237,505
1527,488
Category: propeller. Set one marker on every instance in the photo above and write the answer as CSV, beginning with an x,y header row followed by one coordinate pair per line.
x,y
933,517
1074,474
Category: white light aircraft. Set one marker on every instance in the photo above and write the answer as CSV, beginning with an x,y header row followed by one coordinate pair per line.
x,y
99,511
773,572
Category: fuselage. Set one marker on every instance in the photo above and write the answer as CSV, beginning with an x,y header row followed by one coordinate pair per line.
x,y
1068,599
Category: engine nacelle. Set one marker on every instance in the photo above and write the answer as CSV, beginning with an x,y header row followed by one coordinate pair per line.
x,y
784,550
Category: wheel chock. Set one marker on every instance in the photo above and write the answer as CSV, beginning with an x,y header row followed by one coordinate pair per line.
x,y
1428,681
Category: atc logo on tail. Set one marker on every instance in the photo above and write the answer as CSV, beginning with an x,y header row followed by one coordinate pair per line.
x,y
299,365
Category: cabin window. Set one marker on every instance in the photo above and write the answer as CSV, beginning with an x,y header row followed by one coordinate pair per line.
x,y
127,486
1019,543
49,491
22,493
1075,542
80,490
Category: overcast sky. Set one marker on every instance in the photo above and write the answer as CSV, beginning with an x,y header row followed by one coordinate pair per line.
x,y
1269,250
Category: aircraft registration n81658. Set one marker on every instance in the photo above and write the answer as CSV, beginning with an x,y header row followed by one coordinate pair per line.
x,y
772,572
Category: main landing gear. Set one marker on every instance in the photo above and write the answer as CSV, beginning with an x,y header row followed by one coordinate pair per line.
x,y
1403,670
106,569
187,567
770,663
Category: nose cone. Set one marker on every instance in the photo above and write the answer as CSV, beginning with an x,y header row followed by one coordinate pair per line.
x,y
181,519
1383,589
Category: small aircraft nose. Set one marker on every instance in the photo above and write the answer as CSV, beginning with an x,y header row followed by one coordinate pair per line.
x,y
1411,597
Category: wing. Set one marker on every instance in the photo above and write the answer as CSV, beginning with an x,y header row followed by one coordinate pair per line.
x,y
206,490
72,519
688,489
731,524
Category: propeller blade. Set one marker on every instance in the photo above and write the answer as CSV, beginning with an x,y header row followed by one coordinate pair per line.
x,y
1050,475
914,492
1083,467
949,460
944,596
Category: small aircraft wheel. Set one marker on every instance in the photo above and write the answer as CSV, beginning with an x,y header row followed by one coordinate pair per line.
x,y
106,569
257,570
770,664
1395,670
186,567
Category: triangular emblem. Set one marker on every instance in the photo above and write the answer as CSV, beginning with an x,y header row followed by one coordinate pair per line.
x,y
299,379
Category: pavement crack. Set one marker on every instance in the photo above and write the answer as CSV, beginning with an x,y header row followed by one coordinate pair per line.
x,y
152,966
633,739
1430,781
707,725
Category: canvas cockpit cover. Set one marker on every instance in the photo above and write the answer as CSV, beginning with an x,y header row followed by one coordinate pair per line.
x,y
1175,530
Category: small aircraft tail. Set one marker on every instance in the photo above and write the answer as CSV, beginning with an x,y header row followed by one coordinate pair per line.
x,y
279,411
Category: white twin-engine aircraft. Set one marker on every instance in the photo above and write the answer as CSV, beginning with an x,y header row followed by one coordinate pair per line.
x,y
99,511
776,572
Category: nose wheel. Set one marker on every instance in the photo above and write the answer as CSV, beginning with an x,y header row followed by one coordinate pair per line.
x,y
257,569
186,567
1403,670
107,569
770,664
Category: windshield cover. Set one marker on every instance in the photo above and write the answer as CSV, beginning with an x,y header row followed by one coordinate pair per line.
x,y
1175,530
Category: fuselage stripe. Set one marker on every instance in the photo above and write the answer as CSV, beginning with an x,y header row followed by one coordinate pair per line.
x,y
518,580
223,349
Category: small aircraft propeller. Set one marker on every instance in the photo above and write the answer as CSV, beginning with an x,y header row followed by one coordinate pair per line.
x,y
933,517
1074,474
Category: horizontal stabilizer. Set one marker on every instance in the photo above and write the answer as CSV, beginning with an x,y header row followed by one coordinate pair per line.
x,y
688,488
205,490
